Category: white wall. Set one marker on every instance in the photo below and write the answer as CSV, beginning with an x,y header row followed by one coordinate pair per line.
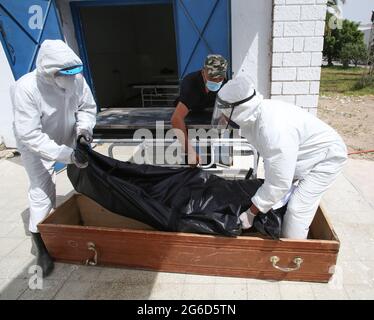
x,y
367,32
6,118
298,32
251,41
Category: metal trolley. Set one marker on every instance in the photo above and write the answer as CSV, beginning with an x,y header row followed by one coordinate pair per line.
x,y
117,127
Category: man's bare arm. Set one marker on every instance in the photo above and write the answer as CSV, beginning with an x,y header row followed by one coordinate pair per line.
x,y
178,122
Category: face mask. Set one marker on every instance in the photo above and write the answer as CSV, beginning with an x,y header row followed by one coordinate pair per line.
x,y
213,86
65,82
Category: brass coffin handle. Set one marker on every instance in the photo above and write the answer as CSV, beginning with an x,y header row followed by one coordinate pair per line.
x,y
297,261
91,246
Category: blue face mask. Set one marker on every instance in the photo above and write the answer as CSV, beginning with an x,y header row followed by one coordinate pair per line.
x,y
213,86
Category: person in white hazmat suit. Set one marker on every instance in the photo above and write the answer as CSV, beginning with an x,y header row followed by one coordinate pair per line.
x,y
53,108
296,147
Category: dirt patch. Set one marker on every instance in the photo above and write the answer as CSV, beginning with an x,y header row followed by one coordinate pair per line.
x,y
353,118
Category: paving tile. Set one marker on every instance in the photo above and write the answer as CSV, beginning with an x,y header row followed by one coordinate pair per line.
x,y
83,273
347,252
6,227
20,231
14,267
23,249
360,174
368,230
15,216
264,291
359,292
364,251
170,278
354,232
73,290
343,196
325,292
197,291
62,271
129,276
341,217
134,292
7,245
98,290
350,207
48,291
198,279
112,291
108,290
290,291
365,217
230,291
12,289
358,272
166,291
230,280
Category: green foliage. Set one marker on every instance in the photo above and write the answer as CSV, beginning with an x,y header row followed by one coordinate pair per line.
x,y
340,81
331,3
353,52
364,82
347,37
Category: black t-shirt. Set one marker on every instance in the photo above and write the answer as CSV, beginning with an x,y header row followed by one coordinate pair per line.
x,y
193,93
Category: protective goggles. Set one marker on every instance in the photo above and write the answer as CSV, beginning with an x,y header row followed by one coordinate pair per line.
x,y
70,71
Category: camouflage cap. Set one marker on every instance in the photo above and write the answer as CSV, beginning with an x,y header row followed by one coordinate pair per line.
x,y
216,66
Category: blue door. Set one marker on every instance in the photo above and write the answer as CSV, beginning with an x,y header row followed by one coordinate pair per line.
x,y
202,28
24,25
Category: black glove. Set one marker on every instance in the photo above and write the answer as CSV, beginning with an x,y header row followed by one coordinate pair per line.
x,y
85,137
79,159
270,224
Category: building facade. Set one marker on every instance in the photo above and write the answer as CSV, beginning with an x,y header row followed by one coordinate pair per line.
x,y
277,42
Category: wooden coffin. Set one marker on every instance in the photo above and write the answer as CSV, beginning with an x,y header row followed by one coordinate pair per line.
x,y
81,231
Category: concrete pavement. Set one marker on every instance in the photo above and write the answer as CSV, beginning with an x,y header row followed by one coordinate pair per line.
x,y
350,204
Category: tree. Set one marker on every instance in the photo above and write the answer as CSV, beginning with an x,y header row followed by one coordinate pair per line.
x,y
337,38
345,55
355,52
334,2
359,54
329,45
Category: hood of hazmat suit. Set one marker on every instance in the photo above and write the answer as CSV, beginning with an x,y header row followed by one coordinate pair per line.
x,y
290,140
49,109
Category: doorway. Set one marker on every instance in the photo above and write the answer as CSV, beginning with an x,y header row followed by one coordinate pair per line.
x,y
129,48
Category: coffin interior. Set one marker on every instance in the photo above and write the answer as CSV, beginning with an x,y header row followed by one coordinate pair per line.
x,y
82,211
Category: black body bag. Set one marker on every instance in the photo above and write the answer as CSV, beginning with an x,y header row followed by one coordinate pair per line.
x,y
168,199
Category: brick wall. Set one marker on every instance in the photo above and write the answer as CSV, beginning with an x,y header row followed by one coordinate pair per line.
x,y
298,29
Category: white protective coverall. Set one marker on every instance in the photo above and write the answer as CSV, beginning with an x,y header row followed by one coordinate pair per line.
x,y
47,122
295,146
